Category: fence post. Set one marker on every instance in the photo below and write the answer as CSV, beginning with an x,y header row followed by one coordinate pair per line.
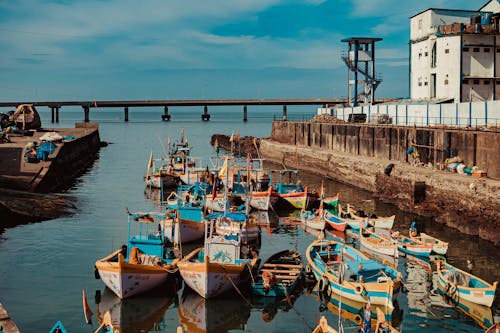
x,y
470,114
406,108
485,113
427,112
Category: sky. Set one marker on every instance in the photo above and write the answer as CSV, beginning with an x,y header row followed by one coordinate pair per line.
x,y
198,49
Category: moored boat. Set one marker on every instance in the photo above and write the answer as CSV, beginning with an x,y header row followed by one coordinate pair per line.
x,y
289,193
217,267
352,222
279,275
438,246
493,329
235,223
377,243
323,327
459,284
344,270
313,220
411,246
334,221
58,328
106,325
144,263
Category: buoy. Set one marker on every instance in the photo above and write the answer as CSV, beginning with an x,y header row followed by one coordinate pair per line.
x,y
359,289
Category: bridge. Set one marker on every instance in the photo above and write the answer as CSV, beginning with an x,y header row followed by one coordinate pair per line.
x,y
55,106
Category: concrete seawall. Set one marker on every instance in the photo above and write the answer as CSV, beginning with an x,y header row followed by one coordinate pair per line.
x,y
358,155
23,184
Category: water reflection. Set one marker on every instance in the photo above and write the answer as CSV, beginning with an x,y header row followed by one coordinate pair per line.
x,y
270,306
142,313
352,311
197,314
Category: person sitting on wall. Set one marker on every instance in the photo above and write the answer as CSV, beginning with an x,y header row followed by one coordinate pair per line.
x,y
30,153
413,230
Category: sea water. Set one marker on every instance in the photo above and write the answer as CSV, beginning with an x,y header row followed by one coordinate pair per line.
x,y
44,266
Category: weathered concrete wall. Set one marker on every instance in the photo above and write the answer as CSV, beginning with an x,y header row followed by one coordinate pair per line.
x,y
434,145
466,203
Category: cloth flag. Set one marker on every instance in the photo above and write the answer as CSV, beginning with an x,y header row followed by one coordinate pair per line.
x,y
216,146
214,188
321,196
223,170
168,143
87,311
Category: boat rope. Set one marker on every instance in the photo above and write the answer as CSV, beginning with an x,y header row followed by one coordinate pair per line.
x,y
234,286
301,316
250,271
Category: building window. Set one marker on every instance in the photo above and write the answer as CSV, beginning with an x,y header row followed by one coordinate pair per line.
x,y
466,49
433,56
465,81
498,82
486,81
446,82
476,49
425,83
420,55
447,51
487,50
426,54
498,50
476,81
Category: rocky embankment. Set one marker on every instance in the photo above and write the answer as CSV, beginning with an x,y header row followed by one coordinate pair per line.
x,y
241,146
23,207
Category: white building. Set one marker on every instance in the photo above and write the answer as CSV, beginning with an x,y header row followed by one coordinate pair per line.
x,y
455,54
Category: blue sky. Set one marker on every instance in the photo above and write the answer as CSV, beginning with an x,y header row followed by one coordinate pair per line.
x,y
192,49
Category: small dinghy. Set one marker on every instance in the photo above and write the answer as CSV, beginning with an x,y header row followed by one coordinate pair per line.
x,y
459,285
279,274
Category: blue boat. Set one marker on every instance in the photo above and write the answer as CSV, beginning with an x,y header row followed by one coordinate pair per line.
x,y
188,205
279,275
58,328
343,270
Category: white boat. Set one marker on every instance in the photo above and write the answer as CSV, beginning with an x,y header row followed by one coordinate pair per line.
x,y
141,265
460,285
377,243
438,246
314,220
235,223
218,266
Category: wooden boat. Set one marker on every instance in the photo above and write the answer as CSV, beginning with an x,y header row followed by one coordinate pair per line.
x,y
323,327
481,314
459,285
146,262
26,117
218,266
352,222
331,204
235,223
106,325
313,220
261,199
159,174
493,329
279,275
58,328
341,269
251,182
438,246
386,222
411,246
188,205
334,221
290,193
377,243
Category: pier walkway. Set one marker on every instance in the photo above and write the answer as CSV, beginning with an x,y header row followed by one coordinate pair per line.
x,y
55,106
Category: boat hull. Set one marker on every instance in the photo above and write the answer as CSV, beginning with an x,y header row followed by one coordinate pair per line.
x,y
211,279
126,279
189,231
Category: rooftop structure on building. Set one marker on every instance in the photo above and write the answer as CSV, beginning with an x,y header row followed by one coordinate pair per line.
x,y
455,54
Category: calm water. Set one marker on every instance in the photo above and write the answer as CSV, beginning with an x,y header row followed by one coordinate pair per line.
x,y
44,266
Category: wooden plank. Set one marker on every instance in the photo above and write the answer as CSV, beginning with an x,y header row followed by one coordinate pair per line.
x,y
294,272
282,265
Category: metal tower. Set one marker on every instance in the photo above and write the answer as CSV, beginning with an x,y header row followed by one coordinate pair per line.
x,y
361,59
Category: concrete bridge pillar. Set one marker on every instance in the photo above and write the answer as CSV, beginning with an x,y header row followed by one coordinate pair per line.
x,y
126,114
57,114
52,114
86,112
205,116
165,116
284,112
245,113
